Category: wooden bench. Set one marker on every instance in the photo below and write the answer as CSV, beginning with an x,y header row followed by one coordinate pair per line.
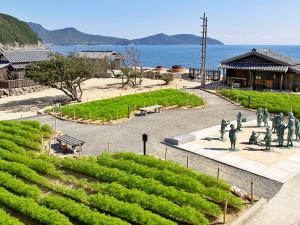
x,y
153,108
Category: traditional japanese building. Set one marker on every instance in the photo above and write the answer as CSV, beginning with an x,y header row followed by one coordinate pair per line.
x,y
262,69
13,63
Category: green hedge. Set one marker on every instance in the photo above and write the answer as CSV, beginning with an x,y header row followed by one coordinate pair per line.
x,y
116,108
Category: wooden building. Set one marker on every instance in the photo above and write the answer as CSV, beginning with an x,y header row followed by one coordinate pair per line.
x,y
13,63
262,69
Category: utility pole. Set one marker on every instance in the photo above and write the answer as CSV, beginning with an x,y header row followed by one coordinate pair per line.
x,y
203,45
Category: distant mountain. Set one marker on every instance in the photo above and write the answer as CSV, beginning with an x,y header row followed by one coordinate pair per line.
x,y
179,39
71,36
14,31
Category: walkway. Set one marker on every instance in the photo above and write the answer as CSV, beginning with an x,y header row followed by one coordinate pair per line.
x,y
283,209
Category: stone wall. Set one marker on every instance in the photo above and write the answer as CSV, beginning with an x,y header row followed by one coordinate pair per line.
x,y
21,91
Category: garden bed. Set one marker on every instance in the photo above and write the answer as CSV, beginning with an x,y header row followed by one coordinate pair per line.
x,y
274,102
120,109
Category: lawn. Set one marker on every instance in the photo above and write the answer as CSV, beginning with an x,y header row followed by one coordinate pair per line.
x,y
119,188
117,108
274,102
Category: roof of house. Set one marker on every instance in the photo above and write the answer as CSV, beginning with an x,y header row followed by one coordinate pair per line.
x,y
20,58
98,54
26,55
279,62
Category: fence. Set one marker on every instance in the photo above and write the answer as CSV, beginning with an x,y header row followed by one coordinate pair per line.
x,y
8,84
210,75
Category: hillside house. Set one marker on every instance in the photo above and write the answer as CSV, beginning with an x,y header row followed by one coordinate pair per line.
x,y
262,69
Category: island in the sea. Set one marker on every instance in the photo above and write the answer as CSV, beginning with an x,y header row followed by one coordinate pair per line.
x,y
72,36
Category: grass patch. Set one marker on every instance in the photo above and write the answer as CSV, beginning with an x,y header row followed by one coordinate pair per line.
x,y
117,108
274,102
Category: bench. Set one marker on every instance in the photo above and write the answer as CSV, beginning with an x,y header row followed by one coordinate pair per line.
x,y
153,108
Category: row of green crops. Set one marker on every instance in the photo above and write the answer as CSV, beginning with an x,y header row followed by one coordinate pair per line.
x,y
6,219
18,131
170,179
152,162
116,108
79,211
18,186
274,102
134,212
153,203
150,186
28,207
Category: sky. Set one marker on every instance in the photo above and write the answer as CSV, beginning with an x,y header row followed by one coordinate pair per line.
x,y
274,22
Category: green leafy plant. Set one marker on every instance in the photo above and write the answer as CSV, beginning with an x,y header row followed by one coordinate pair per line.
x,y
31,209
7,219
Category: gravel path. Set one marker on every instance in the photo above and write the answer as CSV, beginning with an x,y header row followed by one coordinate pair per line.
x,y
127,137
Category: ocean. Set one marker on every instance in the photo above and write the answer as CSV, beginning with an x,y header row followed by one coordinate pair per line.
x,y
185,55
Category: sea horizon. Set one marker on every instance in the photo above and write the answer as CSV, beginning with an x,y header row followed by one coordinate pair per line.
x,y
186,55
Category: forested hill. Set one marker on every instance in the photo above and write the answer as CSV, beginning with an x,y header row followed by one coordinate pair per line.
x,y
13,30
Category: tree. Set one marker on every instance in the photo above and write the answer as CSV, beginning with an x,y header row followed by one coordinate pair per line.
x,y
63,73
130,63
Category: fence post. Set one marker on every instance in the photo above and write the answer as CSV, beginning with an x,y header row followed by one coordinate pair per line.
x,y
74,114
55,125
252,195
49,148
218,173
166,154
145,139
108,146
90,116
187,161
129,110
225,211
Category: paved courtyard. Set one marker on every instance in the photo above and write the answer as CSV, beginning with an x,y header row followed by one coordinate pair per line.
x,y
279,164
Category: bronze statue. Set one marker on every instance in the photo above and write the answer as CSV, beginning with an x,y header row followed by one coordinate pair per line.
x,y
259,117
266,117
253,140
268,138
291,129
277,120
232,137
224,124
280,134
297,131
239,121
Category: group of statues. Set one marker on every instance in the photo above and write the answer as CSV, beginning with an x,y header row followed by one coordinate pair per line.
x,y
232,132
263,119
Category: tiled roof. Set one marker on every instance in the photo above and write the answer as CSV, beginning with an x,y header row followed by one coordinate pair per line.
x,y
3,65
257,67
98,54
267,54
26,55
18,66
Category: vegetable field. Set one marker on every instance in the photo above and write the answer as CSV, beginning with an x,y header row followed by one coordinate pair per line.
x,y
274,102
117,108
120,188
